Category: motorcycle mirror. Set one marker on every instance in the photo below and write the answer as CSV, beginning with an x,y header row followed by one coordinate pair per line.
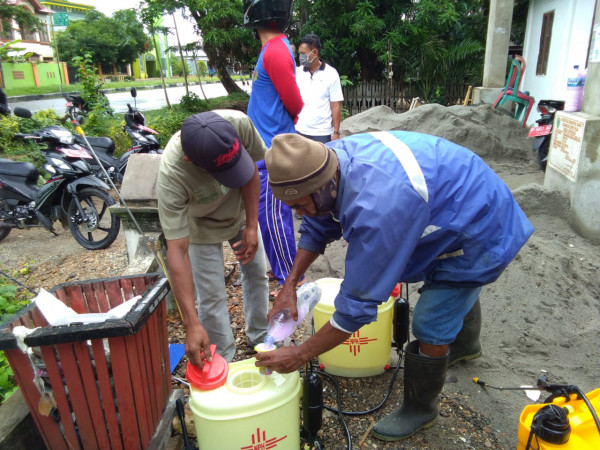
x,y
133,92
22,112
80,119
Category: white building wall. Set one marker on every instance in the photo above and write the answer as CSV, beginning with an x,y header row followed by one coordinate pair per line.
x,y
569,46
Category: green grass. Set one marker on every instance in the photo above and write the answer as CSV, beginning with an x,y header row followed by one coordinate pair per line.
x,y
113,85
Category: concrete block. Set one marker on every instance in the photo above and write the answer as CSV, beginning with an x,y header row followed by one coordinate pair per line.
x,y
484,95
139,182
574,168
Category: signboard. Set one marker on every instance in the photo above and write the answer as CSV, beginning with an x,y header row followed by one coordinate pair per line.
x,y
60,19
565,146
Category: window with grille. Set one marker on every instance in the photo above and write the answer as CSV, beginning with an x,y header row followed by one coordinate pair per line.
x,y
545,39
18,75
27,34
44,35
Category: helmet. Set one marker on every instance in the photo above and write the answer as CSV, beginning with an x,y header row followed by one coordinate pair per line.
x,y
271,14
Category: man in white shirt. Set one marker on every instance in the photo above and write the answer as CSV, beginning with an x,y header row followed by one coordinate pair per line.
x,y
321,92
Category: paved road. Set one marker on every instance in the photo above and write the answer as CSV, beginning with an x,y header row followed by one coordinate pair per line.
x,y
147,99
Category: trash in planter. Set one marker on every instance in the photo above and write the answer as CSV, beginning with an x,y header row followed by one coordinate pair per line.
x,y
103,402
20,332
57,313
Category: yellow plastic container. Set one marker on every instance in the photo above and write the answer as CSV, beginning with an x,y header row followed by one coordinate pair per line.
x,y
249,411
584,433
367,352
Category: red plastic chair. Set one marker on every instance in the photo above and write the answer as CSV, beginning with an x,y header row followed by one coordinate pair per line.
x,y
524,102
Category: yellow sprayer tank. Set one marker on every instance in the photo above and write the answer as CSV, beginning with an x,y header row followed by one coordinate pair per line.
x,y
583,435
367,352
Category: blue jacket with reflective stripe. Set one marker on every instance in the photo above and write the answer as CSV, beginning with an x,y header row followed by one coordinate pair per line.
x,y
460,226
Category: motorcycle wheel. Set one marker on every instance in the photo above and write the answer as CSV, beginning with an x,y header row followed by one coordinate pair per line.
x,y
101,227
542,153
6,209
4,232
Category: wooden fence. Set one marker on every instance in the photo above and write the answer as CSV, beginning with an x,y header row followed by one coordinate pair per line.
x,y
363,96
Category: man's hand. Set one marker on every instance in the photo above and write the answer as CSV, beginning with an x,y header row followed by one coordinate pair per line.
x,y
245,250
288,359
285,299
197,345
282,360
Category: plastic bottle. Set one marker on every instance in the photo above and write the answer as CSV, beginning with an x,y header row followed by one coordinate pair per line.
x,y
282,325
574,90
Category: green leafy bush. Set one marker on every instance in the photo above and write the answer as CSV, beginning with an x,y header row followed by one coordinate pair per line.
x,y
18,149
193,104
11,301
166,121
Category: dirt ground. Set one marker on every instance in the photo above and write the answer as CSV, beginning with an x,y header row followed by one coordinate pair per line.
x,y
542,314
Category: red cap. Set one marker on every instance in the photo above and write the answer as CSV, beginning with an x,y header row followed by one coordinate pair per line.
x,y
213,374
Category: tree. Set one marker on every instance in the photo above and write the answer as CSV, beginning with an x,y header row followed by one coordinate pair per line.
x,y
183,63
201,69
220,24
430,41
136,40
23,18
108,40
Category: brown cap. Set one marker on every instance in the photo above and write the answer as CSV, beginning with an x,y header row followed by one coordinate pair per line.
x,y
298,166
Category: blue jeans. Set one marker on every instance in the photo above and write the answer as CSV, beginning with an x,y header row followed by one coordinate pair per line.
x,y
209,280
323,139
438,315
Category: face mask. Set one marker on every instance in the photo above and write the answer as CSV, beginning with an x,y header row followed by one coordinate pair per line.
x,y
304,59
325,198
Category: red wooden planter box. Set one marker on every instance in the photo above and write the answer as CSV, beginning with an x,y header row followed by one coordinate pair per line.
x,y
103,401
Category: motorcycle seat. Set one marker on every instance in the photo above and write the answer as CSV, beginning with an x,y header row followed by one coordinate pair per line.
x,y
103,142
19,169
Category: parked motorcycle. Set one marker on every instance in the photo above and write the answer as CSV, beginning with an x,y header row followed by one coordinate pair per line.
x,y
72,195
135,126
143,141
76,105
542,132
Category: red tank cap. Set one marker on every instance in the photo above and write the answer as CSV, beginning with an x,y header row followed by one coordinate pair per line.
x,y
213,374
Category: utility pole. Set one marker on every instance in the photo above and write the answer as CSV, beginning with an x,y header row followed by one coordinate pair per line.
x,y
60,77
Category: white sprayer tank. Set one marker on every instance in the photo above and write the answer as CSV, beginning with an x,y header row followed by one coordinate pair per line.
x,y
237,407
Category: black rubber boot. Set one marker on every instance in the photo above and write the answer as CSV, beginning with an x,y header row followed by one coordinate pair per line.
x,y
423,380
466,346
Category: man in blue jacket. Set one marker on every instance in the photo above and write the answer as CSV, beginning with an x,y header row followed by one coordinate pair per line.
x,y
412,208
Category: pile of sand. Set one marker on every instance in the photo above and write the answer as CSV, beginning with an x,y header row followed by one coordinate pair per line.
x,y
486,131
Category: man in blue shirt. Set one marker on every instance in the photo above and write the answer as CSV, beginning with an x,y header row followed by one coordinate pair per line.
x,y
412,208
275,103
